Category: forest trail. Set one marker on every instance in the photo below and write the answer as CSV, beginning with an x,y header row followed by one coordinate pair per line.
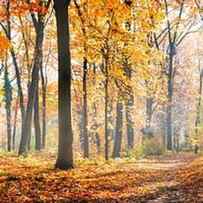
x,y
167,188
167,179
170,162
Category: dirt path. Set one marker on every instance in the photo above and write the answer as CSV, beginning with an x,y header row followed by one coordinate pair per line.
x,y
166,186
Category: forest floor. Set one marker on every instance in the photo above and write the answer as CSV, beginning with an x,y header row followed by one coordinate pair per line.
x,y
167,179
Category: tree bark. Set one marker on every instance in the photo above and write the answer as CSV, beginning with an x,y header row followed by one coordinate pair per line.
x,y
44,107
129,123
149,103
169,106
65,151
95,122
119,128
8,100
19,84
198,116
37,121
85,121
15,123
128,105
106,110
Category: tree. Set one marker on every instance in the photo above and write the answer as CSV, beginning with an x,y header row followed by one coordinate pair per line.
x,y
85,73
119,127
8,102
8,11
38,11
65,151
33,100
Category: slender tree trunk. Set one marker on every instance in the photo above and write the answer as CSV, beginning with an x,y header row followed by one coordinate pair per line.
x,y
95,123
128,106
16,67
44,107
15,123
169,106
28,89
80,113
149,102
26,131
85,121
37,121
129,123
98,143
119,128
19,84
65,151
8,100
106,110
198,116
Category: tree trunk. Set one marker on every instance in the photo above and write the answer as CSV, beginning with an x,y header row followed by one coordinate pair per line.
x,y
44,107
198,116
19,84
65,151
16,67
8,100
106,110
128,105
37,121
85,122
95,122
14,124
26,131
129,122
98,143
119,128
80,125
149,102
169,106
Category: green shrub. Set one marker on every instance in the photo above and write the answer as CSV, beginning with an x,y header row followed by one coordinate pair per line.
x,y
149,147
135,153
152,147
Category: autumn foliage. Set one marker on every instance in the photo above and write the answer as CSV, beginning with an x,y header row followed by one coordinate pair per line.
x,y
109,90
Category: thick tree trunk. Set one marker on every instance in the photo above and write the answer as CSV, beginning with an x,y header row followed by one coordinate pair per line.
x,y
119,128
65,151
85,121
37,121
8,100
26,131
